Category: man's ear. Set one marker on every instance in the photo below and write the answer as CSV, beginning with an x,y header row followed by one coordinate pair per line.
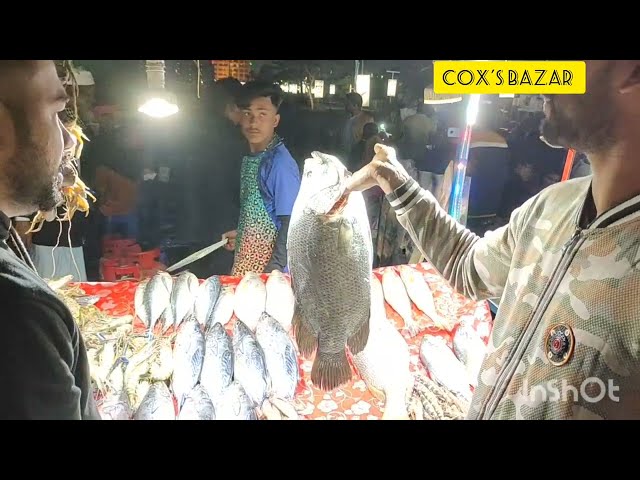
x,y
631,79
7,133
277,121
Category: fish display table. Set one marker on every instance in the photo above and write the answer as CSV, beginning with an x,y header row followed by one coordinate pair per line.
x,y
352,401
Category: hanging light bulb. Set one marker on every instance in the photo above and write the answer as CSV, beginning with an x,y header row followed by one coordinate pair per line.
x,y
158,103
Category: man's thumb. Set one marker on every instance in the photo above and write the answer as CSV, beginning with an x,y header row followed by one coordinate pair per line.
x,y
384,152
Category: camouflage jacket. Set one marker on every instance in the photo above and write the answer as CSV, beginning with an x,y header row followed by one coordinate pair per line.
x,y
566,340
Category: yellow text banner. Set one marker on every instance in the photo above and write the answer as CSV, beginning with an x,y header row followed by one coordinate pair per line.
x,y
515,77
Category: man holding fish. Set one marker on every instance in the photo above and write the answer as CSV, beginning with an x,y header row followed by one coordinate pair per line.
x,y
565,267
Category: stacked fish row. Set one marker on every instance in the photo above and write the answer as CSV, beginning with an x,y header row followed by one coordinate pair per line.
x,y
407,287
384,364
249,375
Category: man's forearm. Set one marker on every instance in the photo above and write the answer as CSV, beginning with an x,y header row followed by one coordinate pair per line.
x,y
278,259
470,264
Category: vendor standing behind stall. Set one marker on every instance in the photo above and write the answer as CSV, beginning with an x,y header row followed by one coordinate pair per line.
x,y
565,267
43,362
270,180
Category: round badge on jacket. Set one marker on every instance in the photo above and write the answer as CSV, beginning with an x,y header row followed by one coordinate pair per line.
x,y
559,344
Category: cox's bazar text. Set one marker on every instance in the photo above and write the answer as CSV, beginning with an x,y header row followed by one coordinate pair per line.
x,y
491,77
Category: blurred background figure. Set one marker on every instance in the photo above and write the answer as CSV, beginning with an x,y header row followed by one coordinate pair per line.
x,y
353,128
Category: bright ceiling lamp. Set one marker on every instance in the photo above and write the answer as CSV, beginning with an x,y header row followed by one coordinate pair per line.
x,y
158,102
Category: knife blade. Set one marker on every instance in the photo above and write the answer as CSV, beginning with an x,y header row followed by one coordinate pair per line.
x,y
198,255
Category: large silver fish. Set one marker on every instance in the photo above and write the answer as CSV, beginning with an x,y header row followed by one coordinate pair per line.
x,y
197,406
157,404
384,365
250,299
236,404
280,356
183,296
188,355
155,299
330,255
217,368
444,367
249,365
280,300
206,299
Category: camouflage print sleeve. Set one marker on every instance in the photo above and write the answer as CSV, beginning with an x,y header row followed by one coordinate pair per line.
x,y
476,267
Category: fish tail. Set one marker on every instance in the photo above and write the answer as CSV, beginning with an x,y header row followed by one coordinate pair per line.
x,y
330,370
411,325
305,338
358,340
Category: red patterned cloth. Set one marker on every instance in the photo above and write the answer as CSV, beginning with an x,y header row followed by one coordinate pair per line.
x,y
353,401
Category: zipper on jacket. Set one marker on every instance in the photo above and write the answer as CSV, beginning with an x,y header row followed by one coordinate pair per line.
x,y
493,399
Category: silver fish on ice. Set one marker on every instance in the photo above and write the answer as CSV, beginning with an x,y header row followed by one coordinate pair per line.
x,y
157,404
188,355
217,368
280,357
197,406
249,365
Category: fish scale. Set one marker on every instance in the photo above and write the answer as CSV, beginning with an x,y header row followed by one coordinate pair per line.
x,y
330,256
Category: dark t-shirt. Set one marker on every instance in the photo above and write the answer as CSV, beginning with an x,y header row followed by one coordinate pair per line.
x,y
50,235
43,365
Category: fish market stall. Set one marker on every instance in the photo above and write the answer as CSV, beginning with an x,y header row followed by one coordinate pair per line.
x,y
134,370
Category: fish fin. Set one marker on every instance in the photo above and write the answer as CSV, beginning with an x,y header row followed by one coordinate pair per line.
x,y
358,340
411,325
330,370
286,408
377,393
306,339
